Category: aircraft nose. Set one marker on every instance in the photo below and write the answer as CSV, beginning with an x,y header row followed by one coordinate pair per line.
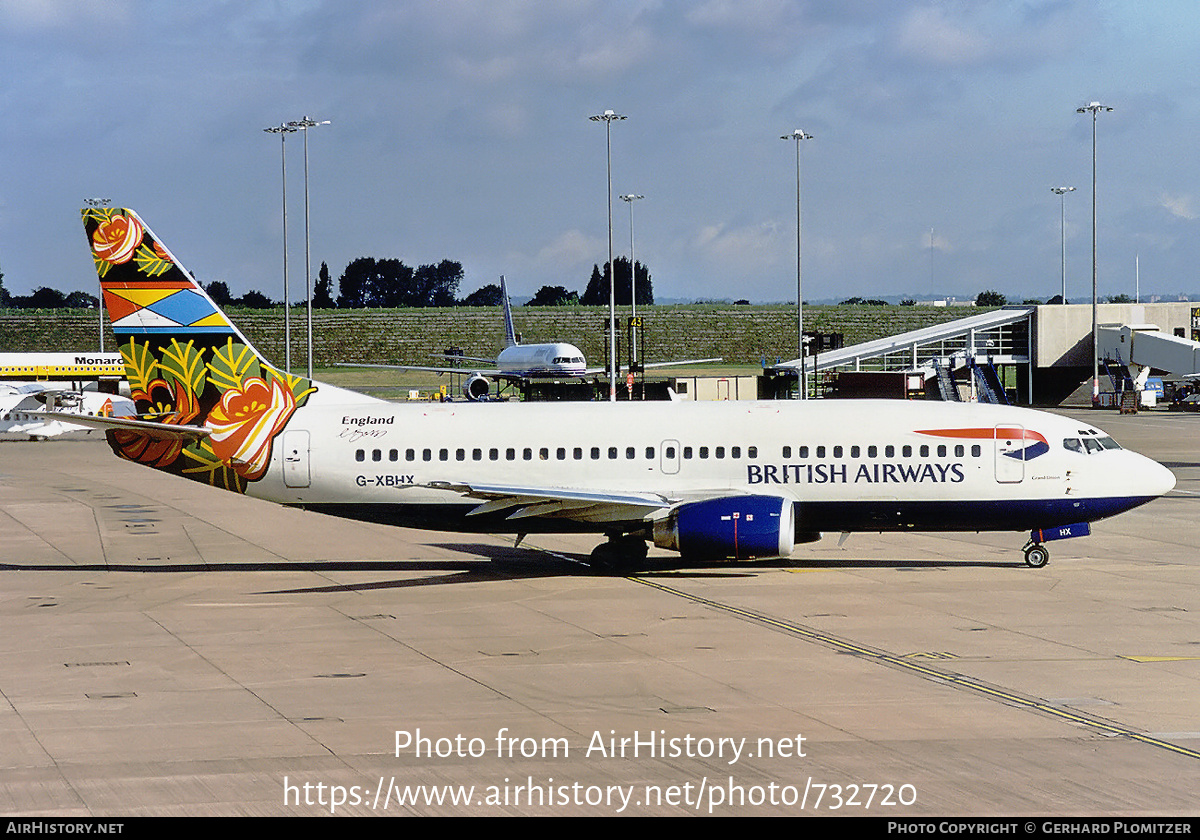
x,y
1166,479
1155,479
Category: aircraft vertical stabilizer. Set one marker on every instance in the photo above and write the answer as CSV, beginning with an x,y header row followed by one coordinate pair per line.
x,y
510,334
188,366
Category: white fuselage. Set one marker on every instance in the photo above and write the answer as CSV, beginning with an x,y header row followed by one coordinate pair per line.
x,y
847,465
540,361
22,407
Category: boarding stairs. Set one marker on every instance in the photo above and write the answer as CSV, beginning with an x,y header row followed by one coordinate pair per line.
x,y
945,379
987,382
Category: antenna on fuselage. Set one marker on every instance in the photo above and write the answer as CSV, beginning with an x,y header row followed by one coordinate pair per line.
x,y
510,334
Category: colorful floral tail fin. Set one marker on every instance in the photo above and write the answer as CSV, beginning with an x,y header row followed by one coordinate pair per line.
x,y
146,290
187,364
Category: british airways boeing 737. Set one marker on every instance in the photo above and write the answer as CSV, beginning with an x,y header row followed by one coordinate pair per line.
x,y
714,481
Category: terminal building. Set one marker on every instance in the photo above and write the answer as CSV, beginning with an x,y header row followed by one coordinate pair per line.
x,y
1021,355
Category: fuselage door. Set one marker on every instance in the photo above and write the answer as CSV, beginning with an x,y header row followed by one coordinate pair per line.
x,y
1010,454
669,457
295,458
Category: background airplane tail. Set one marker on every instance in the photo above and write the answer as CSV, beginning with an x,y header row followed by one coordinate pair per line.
x,y
187,364
510,334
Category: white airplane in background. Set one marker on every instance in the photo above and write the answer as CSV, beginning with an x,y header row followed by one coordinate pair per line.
x,y
522,362
24,406
714,481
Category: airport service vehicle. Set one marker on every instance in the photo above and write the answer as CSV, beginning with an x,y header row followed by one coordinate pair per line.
x,y
713,481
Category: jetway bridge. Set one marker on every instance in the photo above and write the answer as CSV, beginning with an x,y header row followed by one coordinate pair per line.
x,y
1146,346
1022,354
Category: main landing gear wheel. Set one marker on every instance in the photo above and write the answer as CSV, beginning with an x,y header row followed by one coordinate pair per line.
x,y
1036,555
620,554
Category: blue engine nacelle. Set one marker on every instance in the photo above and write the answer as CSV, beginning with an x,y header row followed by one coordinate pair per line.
x,y
738,527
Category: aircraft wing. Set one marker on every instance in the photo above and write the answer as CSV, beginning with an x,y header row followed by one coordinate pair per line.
x,y
158,431
462,370
560,502
682,362
591,371
465,358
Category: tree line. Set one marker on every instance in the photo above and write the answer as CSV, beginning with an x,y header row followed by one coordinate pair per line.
x,y
384,283
594,294
369,283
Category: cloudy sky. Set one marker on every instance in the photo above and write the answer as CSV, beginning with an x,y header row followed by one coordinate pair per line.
x,y
460,130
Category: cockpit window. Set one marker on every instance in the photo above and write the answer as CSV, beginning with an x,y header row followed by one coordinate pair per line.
x,y
1089,445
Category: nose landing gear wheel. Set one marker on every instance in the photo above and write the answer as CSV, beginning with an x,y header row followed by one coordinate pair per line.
x,y
1036,555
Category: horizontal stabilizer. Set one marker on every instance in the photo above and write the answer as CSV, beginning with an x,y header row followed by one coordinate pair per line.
x,y
149,428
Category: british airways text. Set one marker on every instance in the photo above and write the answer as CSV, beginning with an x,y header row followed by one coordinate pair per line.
x,y
834,473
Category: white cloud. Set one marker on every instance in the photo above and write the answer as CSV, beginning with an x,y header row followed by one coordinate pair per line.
x,y
570,248
1181,206
742,251
45,14
940,242
930,35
